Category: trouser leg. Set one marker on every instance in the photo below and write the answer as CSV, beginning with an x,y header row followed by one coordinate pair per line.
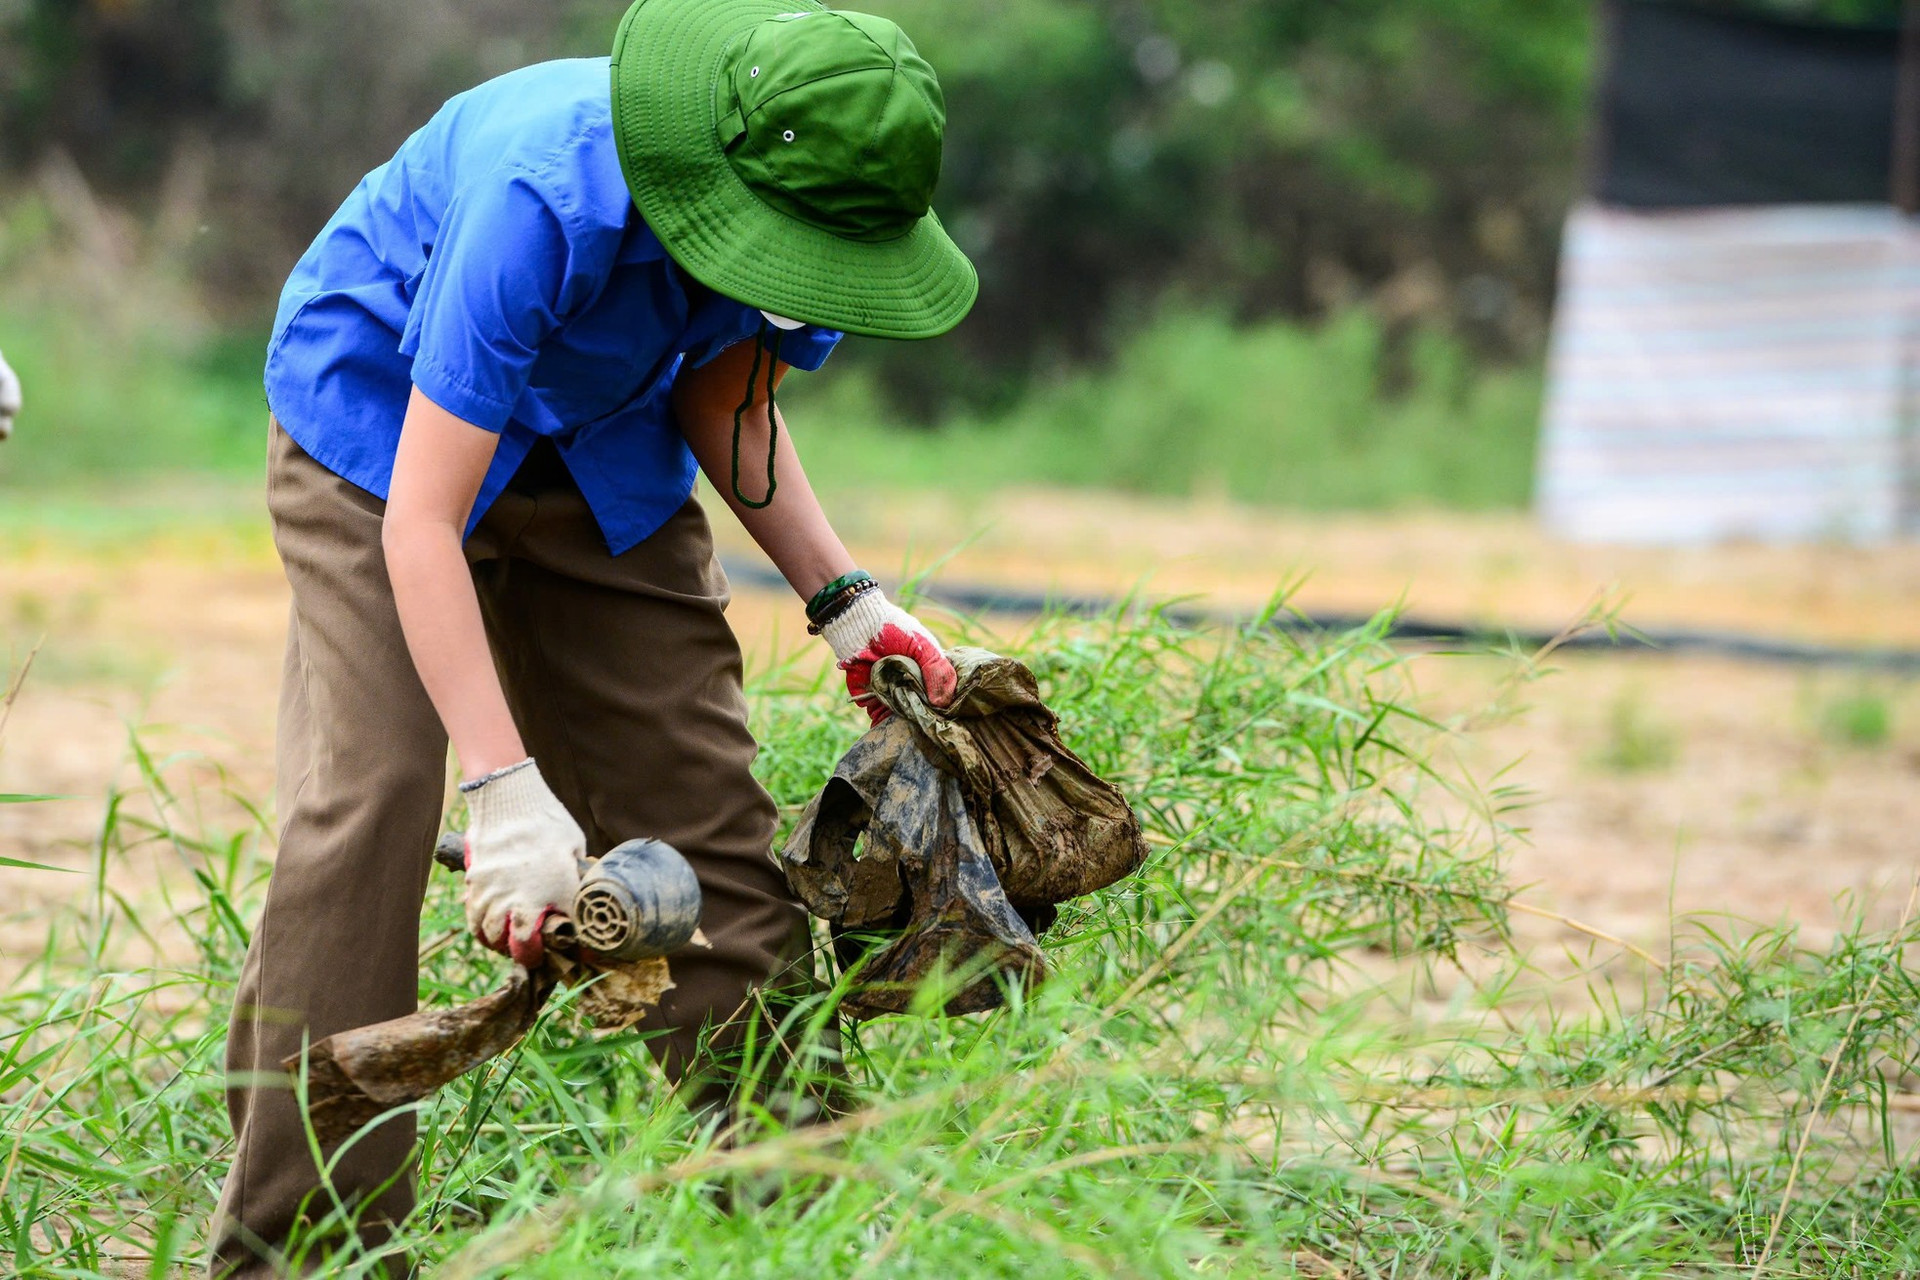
x,y
625,680
361,780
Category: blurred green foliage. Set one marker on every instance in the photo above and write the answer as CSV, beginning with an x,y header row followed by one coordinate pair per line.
x,y
1269,157
1635,739
151,404
1861,716
123,386
1861,12
1193,406
123,373
1251,159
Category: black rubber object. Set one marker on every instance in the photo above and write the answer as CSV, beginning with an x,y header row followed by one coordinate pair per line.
x,y
639,901
986,598
450,850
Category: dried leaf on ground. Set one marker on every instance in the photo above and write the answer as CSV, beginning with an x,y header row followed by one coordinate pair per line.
x,y
621,995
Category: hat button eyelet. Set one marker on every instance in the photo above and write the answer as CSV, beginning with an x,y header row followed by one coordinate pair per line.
x,y
788,135
752,73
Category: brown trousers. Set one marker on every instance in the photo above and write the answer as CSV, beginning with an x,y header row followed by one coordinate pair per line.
x,y
625,681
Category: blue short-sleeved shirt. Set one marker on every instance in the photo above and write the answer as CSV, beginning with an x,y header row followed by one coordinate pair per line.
x,y
498,263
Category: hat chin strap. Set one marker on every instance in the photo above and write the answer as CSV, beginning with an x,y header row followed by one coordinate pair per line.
x,y
773,417
781,322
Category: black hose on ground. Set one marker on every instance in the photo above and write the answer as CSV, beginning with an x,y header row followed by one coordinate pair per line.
x,y
980,598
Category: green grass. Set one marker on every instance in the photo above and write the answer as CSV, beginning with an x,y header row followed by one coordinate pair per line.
x,y
1636,740
1211,1084
1859,717
1275,414
122,385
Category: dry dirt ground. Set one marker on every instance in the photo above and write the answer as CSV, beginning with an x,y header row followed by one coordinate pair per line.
x,y
1655,785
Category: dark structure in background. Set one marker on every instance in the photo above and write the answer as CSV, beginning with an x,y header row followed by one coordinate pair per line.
x,y
1738,332
1703,107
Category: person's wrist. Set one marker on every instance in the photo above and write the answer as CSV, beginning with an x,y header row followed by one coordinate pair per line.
x,y
835,595
851,628
484,775
515,795
493,753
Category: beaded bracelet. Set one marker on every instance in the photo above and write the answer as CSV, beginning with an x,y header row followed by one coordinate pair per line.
x,y
839,605
826,595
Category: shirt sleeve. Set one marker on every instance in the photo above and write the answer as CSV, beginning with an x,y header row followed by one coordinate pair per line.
x,y
501,275
805,348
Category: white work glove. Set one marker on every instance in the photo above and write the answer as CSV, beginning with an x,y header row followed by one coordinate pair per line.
x,y
873,627
9,399
524,857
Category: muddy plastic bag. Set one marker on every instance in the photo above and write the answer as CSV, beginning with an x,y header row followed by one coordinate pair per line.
x,y
958,829
635,906
354,1076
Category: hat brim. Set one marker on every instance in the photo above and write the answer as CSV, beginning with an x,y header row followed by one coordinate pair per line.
x,y
667,59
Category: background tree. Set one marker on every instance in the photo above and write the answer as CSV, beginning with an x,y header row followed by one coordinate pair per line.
x,y
1259,158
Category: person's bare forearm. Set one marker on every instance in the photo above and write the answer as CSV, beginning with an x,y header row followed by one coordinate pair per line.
x,y
433,587
857,622
441,618
793,529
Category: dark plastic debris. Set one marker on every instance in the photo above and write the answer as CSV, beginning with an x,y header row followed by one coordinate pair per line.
x,y
357,1075
636,905
953,833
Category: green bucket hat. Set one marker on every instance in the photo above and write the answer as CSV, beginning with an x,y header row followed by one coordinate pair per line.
x,y
786,154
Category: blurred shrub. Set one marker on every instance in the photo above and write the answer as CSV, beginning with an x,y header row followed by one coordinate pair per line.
x,y
125,373
1883,13
1859,717
1636,741
109,407
1273,157
1276,159
1275,413
127,376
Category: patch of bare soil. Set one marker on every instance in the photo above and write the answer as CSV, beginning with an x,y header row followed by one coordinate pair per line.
x,y
1480,569
1652,785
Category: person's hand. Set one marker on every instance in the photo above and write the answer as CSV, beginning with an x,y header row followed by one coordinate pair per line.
x,y
524,855
9,399
872,627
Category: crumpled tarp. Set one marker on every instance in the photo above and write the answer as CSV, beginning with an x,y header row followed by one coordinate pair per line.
x,y
354,1076
958,829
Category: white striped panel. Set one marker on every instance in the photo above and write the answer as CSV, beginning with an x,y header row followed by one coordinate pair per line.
x,y
1731,374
